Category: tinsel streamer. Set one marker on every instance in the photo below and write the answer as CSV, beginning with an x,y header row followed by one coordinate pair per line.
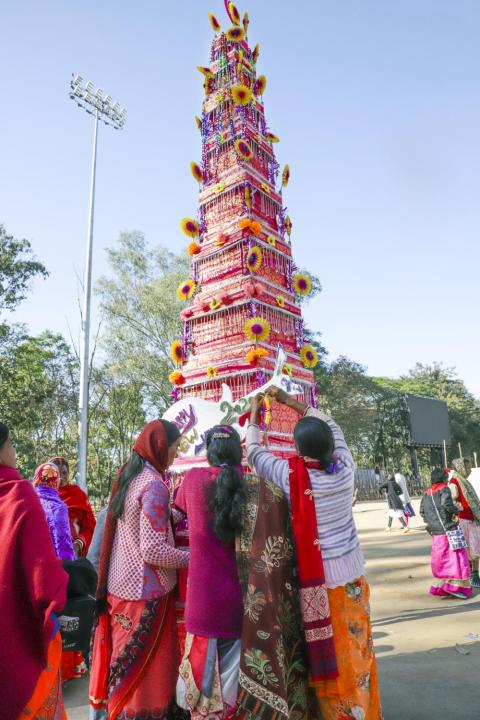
x,y
176,394
205,132
313,396
281,221
185,337
271,171
252,309
289,276
262,424
195,271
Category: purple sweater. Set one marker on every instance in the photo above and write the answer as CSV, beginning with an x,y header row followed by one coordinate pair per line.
x,y
58,523
214,605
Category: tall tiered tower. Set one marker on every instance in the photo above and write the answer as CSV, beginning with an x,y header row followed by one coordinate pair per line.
x,y
244,286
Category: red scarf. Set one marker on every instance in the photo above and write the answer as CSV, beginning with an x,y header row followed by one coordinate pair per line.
x,y
80,511
317,624
33,586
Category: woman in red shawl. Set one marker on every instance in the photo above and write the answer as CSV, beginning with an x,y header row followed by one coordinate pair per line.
x,y
82,519
82,525
135,648
33,590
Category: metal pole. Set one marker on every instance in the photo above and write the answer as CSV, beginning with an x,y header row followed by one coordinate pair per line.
x,y
85,331
460,450
445,453
475,457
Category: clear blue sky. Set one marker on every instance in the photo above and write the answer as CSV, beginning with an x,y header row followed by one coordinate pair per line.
x,y
377,105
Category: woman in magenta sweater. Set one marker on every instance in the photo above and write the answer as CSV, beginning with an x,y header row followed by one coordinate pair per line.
x,y
213,498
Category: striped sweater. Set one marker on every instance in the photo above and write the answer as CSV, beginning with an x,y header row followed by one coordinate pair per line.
x,y
342,557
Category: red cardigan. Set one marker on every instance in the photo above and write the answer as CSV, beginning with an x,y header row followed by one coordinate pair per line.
x,y
33,585
80,513
465,513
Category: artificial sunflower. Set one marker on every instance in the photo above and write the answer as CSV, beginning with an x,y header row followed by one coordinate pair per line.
x,y
260,85
302,284
235,34
241,94
212,371
176,378
288,225
246,22
285,175
214,23
190,227
186,289
233,13
194,248
243,149
255,354
248,197
208,85
272,138
196,171
280,300
265,188
256,52
199,122
309,356
215,303
257,329
219,188
271,240
176,352
205,71
254,259
287,369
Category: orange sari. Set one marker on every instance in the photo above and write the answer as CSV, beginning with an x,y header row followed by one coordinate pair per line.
x,y
46,701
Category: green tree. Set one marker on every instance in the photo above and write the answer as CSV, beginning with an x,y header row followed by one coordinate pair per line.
x,y
141,313
17,268
38,395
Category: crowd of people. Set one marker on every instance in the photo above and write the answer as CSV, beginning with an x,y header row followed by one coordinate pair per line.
x,y
276,620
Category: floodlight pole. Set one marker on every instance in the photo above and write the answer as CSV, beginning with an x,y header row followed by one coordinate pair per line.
x,y
103,108
85,330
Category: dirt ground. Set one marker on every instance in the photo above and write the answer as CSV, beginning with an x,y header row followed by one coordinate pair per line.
x,y
428,649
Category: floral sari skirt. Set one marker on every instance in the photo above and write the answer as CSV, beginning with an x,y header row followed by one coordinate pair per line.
x,y
135,659
354,694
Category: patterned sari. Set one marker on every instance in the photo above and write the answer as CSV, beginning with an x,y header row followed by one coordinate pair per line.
x,y
46,701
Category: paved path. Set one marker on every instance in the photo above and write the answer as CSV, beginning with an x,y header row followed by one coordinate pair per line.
x,y
417,637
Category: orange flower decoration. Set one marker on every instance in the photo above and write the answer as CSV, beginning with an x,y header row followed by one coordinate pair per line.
x,y
190,227
196,171
176,378
252,225
243,149
260,85
193,249
221,240
254,355
241,94
214,23
235,34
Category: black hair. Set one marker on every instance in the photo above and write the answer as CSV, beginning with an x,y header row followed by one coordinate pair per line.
x,y
4,433
227,497
133,467
314,439
438,475
171,430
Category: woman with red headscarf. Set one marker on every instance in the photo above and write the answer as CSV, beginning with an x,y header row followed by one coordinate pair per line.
x,y
80,513
135,651
33,589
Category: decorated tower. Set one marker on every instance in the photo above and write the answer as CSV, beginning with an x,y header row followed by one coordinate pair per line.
x,y
242,297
